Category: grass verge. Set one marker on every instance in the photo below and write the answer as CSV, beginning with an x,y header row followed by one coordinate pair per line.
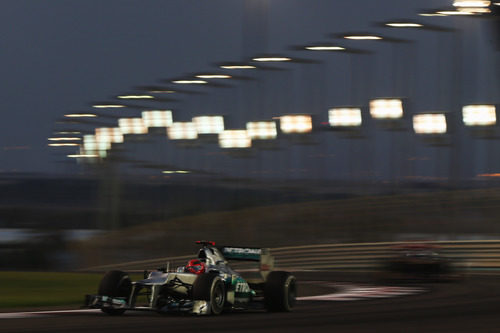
x,y
40,289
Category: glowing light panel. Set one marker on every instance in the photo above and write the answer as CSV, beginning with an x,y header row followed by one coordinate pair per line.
x,y
63,144
238,67
296,124
157,118
65,139
345,117
479,115
132,126
136,97
91,146
190,82
363,37
271,59
169,172
80,115
83,156
235,139
262,130
213,76
454,12
476,10
209,124
182,131
109,135
325,48
386,108
431,123
404,25
471,3
108,106
431,14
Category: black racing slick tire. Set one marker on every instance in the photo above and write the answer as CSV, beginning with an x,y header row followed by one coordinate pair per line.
x,y
115,284
280,291
210,287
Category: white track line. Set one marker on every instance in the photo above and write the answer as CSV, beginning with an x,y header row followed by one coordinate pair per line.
x,y
31,314
351,292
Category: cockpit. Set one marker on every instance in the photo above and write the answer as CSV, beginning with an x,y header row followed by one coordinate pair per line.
x,y
211,256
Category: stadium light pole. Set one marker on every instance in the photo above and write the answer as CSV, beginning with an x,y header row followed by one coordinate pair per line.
x,y
394,123
433,128
465,10
341,114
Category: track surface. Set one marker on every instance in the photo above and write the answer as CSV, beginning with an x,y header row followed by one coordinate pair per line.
x,y
468,306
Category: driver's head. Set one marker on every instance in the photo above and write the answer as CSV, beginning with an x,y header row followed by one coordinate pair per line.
x,y
195,266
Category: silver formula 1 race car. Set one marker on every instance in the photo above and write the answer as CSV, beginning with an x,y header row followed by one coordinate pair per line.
x,y
205,286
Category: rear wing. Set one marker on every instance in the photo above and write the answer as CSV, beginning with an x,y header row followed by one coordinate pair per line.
x,y
261,255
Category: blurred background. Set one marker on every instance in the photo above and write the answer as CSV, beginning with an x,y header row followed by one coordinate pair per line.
x,y
132,128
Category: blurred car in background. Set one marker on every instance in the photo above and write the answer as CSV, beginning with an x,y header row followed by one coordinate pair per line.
x,y
418,262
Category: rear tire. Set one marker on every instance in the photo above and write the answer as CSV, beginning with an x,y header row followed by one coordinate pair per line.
x,y
280,291
115,284
210,288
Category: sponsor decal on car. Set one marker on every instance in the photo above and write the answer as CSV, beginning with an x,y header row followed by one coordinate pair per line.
x,y
242,253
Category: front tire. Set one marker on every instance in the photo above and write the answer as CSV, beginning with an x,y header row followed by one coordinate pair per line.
x,y
280,291
115,284
210,288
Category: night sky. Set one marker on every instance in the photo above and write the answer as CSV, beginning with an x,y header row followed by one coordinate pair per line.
x,y
57,57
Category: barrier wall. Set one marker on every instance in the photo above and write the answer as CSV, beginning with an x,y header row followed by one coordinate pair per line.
x,y
480,256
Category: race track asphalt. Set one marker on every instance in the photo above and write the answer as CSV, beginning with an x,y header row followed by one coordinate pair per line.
x,y
471,305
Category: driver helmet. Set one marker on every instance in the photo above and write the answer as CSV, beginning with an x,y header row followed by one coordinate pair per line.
x,y
195,266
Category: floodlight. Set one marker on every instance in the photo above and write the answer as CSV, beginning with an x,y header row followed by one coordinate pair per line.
x,y
109,134
93,146
386,108
89,142
363,37
454,13
471,3
132,126
237,67
213,76
182,131
65,139
296,123
190,82
157,118
404,25
430,14
209,124
67,144
169,172
429,123
108,106
262,130
136,97
325,48
272,59
235,139
479,115
82,156
477,10
80,115
345,117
